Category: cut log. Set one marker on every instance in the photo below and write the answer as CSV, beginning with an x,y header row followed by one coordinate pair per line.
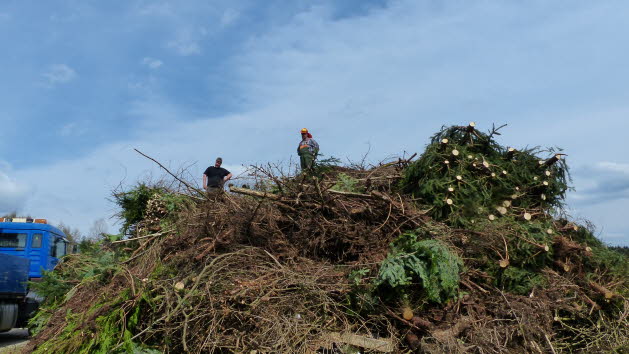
x,y
381,345
547,173
470,127
449,201
502,210
254,193
459,178
506,203
455,152
527,216
350,194
552,160
470,157
421,323
504,263
491,217
510,153
565,247
450,189
446,162
504,172
545,183
485,164
493,174
549,231
407,313
602,290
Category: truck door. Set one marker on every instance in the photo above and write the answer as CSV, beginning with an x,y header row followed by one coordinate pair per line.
x,y
35,254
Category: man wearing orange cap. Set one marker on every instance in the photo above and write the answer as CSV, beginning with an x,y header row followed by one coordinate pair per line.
x,y
308,150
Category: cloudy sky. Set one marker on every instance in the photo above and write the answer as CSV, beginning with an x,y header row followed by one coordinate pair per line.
x,y
85,82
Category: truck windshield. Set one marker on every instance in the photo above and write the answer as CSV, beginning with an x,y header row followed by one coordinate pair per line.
x,y
13,240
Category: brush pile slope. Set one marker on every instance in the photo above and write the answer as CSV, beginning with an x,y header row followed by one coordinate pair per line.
x,y
465,249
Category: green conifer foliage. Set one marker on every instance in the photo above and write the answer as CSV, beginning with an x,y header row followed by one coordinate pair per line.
x,y
414,264
465,174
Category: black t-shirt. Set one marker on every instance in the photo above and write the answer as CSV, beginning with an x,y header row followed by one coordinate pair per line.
x,y
215,176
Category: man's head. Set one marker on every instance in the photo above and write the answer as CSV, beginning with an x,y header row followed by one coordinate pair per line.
x,y
304,134
219,162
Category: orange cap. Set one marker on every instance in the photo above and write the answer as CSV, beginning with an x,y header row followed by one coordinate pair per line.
x,y
304,131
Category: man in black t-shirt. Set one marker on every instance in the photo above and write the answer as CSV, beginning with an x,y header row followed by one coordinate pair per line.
x,y
215,176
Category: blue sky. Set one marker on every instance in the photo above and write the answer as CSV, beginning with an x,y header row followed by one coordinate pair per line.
x,y
85,82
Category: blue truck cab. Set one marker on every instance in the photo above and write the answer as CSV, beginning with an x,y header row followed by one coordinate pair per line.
x,y
27,248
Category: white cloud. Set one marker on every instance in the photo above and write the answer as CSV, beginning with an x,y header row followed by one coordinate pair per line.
x,y
622,168
184,46
72,129
156,9
229,16
60,74
13,193
152,63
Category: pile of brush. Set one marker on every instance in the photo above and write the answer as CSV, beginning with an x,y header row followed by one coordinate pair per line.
x,y
462,250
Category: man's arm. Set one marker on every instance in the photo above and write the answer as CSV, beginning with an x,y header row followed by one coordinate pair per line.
x,y
227,175
315,146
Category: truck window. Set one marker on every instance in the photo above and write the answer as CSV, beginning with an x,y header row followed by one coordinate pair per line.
x,y
59,248
13,240
36,241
